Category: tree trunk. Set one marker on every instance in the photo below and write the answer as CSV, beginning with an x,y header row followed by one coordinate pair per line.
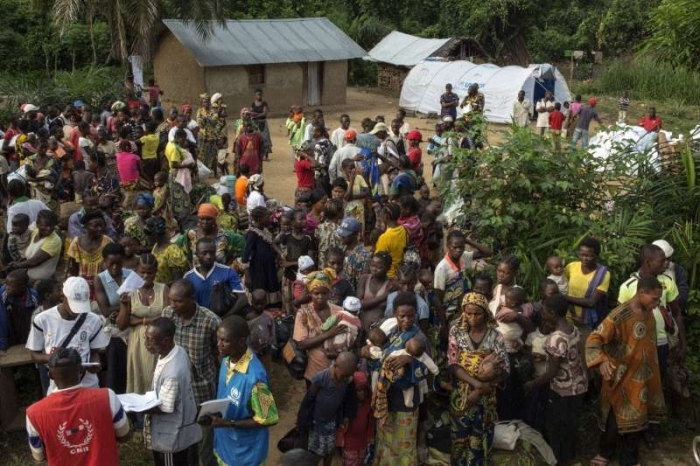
x,y
92,40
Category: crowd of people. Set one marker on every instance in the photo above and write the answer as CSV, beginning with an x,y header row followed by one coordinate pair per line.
x,y
391,316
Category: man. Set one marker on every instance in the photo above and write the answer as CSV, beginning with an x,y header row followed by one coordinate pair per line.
x,y
349,150
172,430
521,110
585,115
448,103
401,117
631,395
317,119
209,274
589,283
544,108
338,137
75,425
653,264
474,102
195,332
182,123
71,324
242,435
651,122
676,271
322,155
91,203
17,303
388,154
21,204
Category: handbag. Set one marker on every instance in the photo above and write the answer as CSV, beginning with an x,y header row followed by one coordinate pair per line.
x,y
295,359
221,300
290,440
505,436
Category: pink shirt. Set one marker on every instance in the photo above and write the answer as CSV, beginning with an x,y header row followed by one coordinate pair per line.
x,y
127,165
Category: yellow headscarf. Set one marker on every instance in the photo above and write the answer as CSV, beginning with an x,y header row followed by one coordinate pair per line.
x,y
320,279
477,299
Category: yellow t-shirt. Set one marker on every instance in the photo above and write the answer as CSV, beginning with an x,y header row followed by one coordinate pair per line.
x,y
579,282
394,241
150,146
669,294
172,153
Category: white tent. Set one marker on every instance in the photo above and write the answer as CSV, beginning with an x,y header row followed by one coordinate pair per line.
x,y
426,82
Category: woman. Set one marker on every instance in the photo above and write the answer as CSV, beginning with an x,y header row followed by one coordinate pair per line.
x,y
136,311
326,233
308,332
410,221
107,283
241,436
396,440
474,335
208,121
395,238
131,172
374,288
42,174
505,276
44,250
85,251
258,111
105,181
229,244
315,204
256,198
261,256
172,262
135,226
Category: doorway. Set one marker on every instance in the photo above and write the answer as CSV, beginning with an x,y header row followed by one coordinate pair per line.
x,y
314,82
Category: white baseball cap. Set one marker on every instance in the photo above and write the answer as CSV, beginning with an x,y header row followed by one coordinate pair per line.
x,y
665,247
77,292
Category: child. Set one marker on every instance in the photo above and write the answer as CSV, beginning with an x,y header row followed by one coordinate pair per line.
x,y
328,401
339,189
483,284
512,331
18,239
624,105
346,318
424,198
341,288
131,260
566,376
359,433
295,244
82,179
241,185
485,366
555,267
262,328
222,155
154,93
556,122
305,265
376,339
304,165
149,150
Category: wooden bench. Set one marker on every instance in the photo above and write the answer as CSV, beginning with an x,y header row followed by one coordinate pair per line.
x,y
10,414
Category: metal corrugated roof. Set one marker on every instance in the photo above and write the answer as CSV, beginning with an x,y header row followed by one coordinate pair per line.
x,y
401,49
257,42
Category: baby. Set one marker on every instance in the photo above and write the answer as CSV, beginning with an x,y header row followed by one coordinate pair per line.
x,y
555,267
346,318
18,239
535,342
484,366
515,301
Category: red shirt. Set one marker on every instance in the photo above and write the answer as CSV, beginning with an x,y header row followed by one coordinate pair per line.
x,y
415,155
649,124
556,120
305,174
76,427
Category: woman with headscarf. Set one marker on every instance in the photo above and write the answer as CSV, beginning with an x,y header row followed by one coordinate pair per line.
x,y
208,121
397,419
261,256
308,323
85,251
105,181
172,262
256,198
135,225
473,400
229,244
249,148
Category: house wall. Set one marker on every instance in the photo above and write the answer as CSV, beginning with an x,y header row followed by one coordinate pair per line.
x,y
335,82
177,72
283,86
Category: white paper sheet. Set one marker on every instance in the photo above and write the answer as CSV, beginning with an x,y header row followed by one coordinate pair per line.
x,y
131,283
136,403
213,407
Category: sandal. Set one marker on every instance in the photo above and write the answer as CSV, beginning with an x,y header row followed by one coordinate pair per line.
x,y
599,461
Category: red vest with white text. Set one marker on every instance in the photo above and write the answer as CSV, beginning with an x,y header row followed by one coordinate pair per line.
x,y
76,428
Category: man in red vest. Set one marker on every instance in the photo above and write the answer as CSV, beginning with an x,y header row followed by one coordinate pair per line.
x,y
75,425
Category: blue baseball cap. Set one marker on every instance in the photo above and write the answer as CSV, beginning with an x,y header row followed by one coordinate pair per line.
x,y
78,103
348,227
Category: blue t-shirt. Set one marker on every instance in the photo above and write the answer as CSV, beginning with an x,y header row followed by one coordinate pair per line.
x,y
330,396
218,274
